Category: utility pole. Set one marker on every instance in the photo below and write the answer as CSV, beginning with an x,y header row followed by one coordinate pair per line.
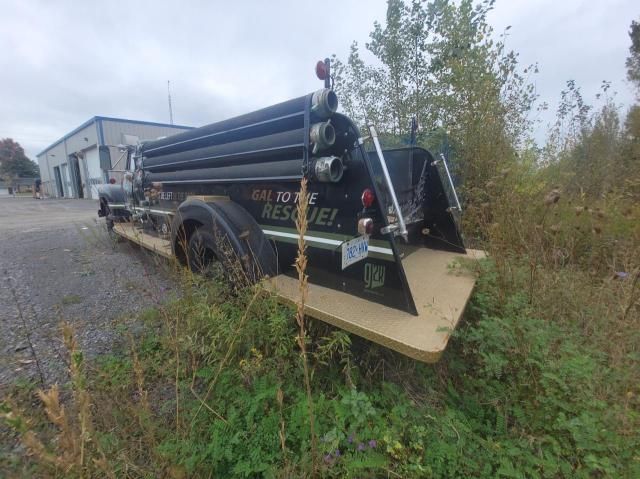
x,y
170,108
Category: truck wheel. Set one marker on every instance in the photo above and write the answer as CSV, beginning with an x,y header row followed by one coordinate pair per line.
x,y
202,255
105,212
113,236
227,232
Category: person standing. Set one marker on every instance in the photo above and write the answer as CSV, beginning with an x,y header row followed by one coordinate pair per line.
x,y
37,185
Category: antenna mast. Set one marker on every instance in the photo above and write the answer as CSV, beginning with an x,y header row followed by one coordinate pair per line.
x,y
170,108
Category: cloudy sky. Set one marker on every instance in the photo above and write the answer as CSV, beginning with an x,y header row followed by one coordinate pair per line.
x,y
62,62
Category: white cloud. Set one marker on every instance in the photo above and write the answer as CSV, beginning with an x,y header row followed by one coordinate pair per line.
x,y
572,40
64,62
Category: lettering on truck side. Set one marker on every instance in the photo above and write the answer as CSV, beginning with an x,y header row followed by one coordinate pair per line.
x,y
280,196
317,216
374,275
281,206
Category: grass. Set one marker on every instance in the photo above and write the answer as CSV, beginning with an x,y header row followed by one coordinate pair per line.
x,y
516,395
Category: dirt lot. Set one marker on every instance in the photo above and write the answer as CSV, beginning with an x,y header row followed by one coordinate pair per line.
x,y
58,263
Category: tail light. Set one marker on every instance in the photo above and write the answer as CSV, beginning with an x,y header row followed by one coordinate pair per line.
x,y
368,198
112,181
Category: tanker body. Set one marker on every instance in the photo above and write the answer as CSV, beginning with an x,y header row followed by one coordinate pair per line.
x,y
381,236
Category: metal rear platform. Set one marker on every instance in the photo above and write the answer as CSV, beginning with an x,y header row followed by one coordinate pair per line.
x,y
439,291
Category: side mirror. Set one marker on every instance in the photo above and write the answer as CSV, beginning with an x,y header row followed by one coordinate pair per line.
x,y
105,157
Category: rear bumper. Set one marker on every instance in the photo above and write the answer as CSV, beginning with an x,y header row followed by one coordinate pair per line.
x,y
440,294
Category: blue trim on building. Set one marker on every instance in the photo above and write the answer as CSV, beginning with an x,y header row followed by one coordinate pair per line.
x,y
99,119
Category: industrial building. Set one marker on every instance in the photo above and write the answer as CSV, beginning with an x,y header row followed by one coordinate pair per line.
x,y
73,166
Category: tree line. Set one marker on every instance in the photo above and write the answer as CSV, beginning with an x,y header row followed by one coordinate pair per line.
x,y
14,163
440,63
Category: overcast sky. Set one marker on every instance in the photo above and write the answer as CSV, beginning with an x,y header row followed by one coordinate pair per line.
x,y
62,62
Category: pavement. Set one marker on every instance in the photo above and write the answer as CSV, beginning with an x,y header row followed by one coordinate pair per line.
x,y
58,263
23,215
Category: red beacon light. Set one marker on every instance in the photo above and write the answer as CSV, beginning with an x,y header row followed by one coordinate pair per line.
x,y
321,70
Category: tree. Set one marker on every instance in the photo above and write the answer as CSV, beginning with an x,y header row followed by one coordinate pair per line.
x,y
436,61
632,123
633,61
14,163
594,149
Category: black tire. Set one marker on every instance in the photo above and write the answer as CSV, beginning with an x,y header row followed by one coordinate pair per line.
x,y
109,222
228,233
113,236
106,212
203,253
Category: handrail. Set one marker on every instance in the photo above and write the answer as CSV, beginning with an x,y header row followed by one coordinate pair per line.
x,y
453,188
387,179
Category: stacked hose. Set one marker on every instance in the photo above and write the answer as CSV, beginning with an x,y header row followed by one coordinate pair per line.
x,y
268,143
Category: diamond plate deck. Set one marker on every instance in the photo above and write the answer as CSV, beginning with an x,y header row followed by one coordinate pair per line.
x,y
440,293
153,243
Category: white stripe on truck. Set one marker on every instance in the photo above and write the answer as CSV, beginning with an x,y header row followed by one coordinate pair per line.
x,y
318,239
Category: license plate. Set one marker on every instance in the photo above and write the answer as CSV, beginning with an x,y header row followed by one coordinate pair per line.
x,y
354,250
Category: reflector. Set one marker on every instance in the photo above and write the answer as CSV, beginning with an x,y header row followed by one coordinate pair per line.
x,y
365,226
321,70
367,198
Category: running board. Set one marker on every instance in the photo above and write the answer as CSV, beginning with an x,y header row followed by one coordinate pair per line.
x,y
153,243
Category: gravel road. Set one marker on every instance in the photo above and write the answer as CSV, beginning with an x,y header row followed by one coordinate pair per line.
x,y
57,263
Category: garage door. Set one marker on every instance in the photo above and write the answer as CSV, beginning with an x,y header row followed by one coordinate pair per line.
x,y
95,176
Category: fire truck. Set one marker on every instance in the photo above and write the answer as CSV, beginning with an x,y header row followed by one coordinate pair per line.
x,y
383,235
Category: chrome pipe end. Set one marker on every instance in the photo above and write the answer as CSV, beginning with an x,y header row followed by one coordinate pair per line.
x,y
324,103
327,169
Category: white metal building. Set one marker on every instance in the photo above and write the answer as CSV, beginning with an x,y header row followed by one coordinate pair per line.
x,y
73,166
